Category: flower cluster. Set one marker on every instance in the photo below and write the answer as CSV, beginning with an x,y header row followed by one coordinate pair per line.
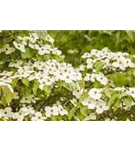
x,y
30,81
46,73
111,61
32,41
107,91
36,84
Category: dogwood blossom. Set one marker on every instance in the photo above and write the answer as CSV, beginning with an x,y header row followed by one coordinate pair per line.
x,y
95,93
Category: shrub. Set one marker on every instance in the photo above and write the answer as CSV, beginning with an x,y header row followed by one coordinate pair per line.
x,y
37,83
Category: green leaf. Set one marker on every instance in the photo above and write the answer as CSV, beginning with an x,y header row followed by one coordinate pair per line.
x,y
127,100
84,111
72,112
57,57
117,104
108,92
119,79
6,95
67,86
41,33
98,65
114,96
0,91
130,34
97,84
28,54
14,82
79,115
25,81
25,91
83,97
47,90
81,83
35,87
118,34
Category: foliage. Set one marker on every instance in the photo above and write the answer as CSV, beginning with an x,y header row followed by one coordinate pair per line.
x,y
90,75
74,43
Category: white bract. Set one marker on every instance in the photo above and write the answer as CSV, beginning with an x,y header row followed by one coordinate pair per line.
x,y
91,103
101,107
19,46
7,49
78,92
131,92
29,99
95,93
38,117
55,110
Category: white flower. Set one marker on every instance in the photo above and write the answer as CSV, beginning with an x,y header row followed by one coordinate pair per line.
x,y
31,45
62,111
131,92
92,116
74,101
23,40
129,63
92,104
89,102
78,76
95,93
118,55
86,55
29,99
93,77
66,78
94,52
81,67
38,117
19,46
90,63
106,63
18,115
7,113
7,49
78,92
102,79
23,72
16,64
101,106
86,101
43,50
105,50
49,39
55,110
33,37
26,110
87,77
48,110
6,73
57,52
119,64
38,47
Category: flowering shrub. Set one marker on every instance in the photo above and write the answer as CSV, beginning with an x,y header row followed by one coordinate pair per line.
x,y
36,83
109,88
74,43
34,79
